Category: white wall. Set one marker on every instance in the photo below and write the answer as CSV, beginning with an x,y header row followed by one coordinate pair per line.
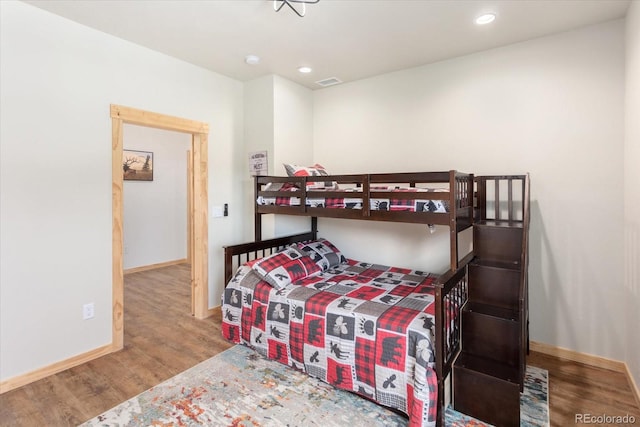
x,y
258,104
155,212
293,140
631,189
278,119
552,107
57,80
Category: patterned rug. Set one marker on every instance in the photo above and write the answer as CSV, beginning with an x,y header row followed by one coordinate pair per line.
x,y
238,387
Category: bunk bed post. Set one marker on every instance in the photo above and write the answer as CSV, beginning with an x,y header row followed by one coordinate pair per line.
x,y
524,280
366,201
470,188
512,216
257,217
496,197
258,227
481,199
439,350
228,266
314,227
453,227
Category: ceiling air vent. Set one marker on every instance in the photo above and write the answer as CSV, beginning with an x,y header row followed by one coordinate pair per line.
x,y
329,82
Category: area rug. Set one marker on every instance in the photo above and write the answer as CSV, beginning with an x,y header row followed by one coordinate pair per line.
x,y
238,387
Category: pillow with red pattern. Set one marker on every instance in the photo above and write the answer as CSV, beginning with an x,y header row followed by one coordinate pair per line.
x,y
323,253
288,266
251,262
315,170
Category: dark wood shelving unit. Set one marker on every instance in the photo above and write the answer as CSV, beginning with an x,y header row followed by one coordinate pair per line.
x,y
488,376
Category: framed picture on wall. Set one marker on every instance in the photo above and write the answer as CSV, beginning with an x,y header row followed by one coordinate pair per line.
x,y
137,165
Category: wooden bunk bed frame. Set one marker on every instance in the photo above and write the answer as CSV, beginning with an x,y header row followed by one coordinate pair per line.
x,y
451,288
459,195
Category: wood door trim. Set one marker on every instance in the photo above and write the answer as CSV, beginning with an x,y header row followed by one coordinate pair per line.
x,y
190,224
189,202
199,226
200,133
157,120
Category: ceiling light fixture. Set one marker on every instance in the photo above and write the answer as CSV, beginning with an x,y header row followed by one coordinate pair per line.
x,y
277,5
305,70
487,18
252,59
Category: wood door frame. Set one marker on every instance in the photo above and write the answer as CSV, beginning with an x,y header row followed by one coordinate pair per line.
x,y
190,222
198,207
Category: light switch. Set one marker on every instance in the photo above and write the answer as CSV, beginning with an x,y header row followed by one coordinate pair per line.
x,y
217,211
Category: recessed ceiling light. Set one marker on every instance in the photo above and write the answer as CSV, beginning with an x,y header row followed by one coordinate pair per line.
x,y
487,18
305,70
252,59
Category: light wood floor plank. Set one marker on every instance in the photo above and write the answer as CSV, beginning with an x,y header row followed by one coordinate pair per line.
x,y
162,339
575,388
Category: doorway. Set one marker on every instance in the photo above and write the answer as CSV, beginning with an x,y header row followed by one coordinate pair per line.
x,y
197,206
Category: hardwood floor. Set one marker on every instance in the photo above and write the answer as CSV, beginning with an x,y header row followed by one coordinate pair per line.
x,y
162,339
575,388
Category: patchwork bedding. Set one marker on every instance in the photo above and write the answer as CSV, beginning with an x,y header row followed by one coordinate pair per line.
x,y
353,199
362,327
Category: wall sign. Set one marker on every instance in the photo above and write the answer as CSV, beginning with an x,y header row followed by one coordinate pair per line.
x,y
258,164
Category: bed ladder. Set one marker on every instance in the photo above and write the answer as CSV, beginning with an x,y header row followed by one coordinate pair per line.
x,y
488,376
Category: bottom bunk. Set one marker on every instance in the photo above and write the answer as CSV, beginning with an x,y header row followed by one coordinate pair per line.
x,y
386,333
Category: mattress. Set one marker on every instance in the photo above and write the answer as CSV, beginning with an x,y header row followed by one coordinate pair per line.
x,y
352,199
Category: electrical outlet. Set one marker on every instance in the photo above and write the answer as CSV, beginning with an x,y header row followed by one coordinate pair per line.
x,y
88,311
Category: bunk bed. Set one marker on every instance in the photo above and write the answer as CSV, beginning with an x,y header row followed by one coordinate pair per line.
x,y
426,315
432,198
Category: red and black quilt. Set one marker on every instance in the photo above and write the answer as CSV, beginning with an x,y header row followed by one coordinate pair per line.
x,y
361,327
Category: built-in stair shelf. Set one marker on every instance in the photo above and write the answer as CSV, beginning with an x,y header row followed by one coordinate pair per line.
x,y
488,376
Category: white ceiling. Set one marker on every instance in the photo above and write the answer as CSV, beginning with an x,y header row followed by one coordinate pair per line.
x,y
347,39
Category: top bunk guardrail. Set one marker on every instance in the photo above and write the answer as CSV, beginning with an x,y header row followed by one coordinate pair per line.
x,y
440,198
502,198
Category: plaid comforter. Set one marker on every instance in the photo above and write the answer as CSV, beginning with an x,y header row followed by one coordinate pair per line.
x,y
364,328
353,200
